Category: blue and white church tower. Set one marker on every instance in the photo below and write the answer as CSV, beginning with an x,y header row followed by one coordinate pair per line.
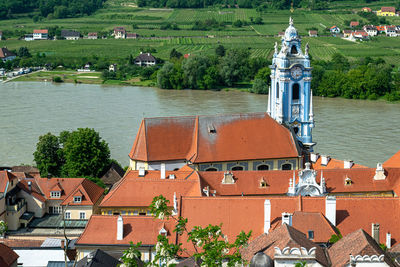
x,y
290,96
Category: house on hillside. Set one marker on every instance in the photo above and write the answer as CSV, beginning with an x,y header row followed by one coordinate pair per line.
x,y
92,35
112,67
371,30
281,34
354,24
386,11
6,54
360,35
347,33
366,9
313,33
391,31
334,29
132,36
145,60
119,33
28,37
40,34
70,35
381,29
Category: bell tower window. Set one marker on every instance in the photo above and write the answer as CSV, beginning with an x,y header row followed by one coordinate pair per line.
x,y
296,91
277,90
293,50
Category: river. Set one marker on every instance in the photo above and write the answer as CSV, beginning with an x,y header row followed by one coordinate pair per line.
x,y
364,131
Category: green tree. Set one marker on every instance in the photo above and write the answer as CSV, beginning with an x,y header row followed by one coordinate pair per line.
x,y
220,51
86,154
48,155
234,66
175,54
194,69
23,52
260,86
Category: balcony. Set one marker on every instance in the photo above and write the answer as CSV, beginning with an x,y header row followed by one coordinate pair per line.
x,y
19,204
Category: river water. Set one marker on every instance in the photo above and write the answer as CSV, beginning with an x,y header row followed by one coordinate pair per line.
x,y
364,131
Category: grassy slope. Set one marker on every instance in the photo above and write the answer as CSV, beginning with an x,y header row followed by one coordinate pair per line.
x,y
123,13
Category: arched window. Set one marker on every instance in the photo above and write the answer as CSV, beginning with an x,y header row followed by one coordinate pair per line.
x,y
287,166
211,169
277,90
295,91
296,130
263,167
237,168
293,51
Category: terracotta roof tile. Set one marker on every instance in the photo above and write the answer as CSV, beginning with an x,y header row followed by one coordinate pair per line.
x,y
139,191
143,229
7,256
333,163
66,185
213,138
356,243
88,190
40,31
34,189
394,161
388,9
5,178
283,236
22,243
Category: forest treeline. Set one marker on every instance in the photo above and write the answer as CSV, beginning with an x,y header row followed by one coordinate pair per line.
x,y
49,8
258,4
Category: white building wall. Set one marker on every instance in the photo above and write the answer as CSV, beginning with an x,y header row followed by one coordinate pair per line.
x,y
38,257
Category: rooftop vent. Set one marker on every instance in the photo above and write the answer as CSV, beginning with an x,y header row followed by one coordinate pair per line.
x,y
287,218
172,176
325,160
211,129
142,172
348,164
379,172
314,157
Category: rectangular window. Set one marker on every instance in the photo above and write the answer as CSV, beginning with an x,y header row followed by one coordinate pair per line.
x,y
82,215
123,212
135,212
55,210
67,215
109,212
77,199
311,234
55,194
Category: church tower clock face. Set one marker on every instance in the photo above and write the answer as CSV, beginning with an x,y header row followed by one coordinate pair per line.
x,y
296,72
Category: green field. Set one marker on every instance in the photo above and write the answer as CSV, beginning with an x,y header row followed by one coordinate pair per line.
x,y
258,38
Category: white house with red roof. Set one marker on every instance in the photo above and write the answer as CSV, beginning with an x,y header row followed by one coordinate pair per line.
x,y
334,29
41,34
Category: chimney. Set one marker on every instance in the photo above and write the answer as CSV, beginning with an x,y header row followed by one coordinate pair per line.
x,y
375,232
314,157
330,209
120,228
287,218
388,240
175,210
162,170
267,216
379,172
30,185
148,54
142,172
325,160
206,190
348,164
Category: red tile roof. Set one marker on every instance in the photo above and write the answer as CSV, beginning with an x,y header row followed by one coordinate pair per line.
x,y
355,243
21,243
213,138
354,23
277,182
5,178
281,237
143,229
366,9
40,31
89,191
34,190
7,256
333,163
393,162
388,9
135,191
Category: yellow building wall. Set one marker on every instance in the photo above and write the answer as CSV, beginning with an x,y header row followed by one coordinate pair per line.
x,y
133,211
385,14
33,205
115,251
3,209
76,210
12,218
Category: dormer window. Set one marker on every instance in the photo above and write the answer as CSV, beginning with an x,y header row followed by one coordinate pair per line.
x,y
348,181
263,183
77,199
55,194
310,234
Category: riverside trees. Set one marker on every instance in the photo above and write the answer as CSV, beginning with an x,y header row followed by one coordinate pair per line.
x,y
80,153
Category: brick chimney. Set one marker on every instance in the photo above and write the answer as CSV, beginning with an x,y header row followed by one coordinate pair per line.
x,y
330,209
120,228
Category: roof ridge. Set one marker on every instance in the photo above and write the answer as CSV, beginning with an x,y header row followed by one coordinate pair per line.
x,y
111,193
